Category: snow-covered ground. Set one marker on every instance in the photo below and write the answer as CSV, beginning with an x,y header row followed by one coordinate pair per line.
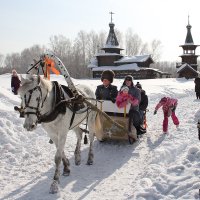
x,y
157,167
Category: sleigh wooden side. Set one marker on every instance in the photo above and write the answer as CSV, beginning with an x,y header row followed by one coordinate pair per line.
x,y
105,130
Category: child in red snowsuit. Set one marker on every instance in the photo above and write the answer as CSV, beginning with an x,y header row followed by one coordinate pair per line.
x,y
169,106
123,98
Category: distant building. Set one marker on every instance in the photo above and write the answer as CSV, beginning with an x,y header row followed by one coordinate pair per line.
x,y
188,67
138,66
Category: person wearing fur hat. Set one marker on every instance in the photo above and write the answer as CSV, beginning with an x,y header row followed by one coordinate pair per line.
x,y
15,82
107,91
134,114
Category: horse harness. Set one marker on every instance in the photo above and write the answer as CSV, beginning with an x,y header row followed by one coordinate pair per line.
x,y
76,105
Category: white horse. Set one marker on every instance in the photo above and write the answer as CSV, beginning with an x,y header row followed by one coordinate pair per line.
x,y
38,103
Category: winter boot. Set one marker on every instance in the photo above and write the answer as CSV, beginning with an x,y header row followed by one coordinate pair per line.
x,y
142,128
50,141
140,131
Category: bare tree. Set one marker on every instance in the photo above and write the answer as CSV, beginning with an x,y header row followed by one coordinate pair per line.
x,y
133,43
77,54
13,61
119,36
1,60
63,48
92,45
166,66
60,45
102,41
155,49
27,56
144,49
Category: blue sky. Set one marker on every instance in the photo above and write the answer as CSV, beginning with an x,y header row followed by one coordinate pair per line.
x,y
27,22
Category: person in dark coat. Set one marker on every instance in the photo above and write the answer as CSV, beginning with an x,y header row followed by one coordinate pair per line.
x,y
107,91
143,103
197,87
134,114
15,82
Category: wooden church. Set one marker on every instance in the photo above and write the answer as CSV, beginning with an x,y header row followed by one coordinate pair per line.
x,y
188,67
112,59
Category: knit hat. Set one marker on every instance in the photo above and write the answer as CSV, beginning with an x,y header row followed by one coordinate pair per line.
x,y
128,78
14,71
108,74
123,88
138,85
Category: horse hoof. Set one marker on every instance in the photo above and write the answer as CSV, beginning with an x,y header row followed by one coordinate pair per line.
x,y
54,187
89,162
78,162
66,173
131,140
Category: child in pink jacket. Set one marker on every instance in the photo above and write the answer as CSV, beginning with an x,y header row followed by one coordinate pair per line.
x,y
123,98
169,106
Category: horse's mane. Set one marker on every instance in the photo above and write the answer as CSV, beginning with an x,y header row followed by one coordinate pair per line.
x,y
46,83
84,89
32,81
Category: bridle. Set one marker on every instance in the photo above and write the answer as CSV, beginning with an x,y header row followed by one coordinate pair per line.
x,y
53,113
40,103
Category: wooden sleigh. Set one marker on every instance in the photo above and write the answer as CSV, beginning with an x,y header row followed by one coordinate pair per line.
x,y
106,130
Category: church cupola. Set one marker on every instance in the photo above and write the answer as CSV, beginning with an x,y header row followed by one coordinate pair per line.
x,y
112,39
112,44
188,66
188,39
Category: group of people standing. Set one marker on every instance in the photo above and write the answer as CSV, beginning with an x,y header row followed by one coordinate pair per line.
x,y
136,96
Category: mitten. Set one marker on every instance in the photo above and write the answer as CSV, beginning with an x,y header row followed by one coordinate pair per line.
x,y
113,100
173,109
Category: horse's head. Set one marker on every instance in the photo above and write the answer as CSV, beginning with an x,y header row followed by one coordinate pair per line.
x,y
32,100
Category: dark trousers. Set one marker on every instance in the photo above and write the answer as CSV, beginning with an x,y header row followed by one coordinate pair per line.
x,y
198,95
135,119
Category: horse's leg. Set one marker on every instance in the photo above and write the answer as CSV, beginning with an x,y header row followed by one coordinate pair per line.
x,y
66,170
90,153
91,127
58,157
77,152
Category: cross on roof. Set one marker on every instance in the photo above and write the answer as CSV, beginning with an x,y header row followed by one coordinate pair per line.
x,y
188,19
111,13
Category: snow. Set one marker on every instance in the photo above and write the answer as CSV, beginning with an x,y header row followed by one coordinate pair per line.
x,y
108,54
132,66
131,59
185,66
157,167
